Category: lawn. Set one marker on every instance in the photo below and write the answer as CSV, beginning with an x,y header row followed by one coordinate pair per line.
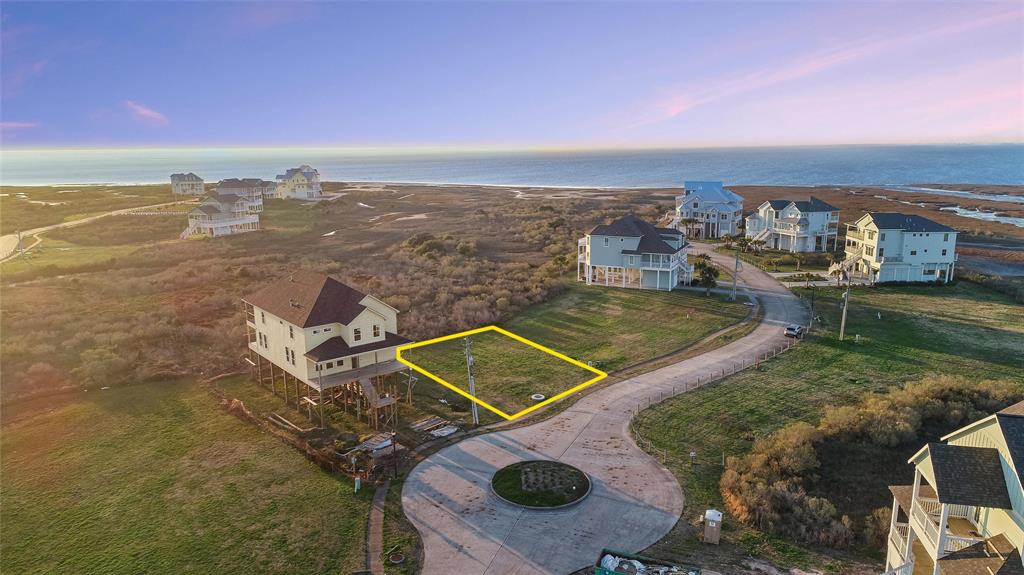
x,y
781,261
155,478
30,207
905,333
611,328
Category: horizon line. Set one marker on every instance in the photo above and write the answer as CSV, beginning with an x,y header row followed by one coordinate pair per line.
x,y
435,148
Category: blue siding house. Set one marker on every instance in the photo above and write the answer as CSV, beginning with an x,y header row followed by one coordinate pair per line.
x,y
632,253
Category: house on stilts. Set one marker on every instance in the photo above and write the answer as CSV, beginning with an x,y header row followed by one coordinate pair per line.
x,y
325,343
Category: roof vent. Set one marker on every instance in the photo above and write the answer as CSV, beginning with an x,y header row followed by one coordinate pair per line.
x,y
293,303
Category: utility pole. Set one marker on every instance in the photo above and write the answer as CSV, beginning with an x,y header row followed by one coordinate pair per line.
x,y
472,383
735,274
846,303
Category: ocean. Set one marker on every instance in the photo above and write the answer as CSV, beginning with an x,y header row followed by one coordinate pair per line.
x,y
792,166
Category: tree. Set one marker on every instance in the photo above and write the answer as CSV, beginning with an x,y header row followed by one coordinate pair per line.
x,y
707,274
799,260
688,224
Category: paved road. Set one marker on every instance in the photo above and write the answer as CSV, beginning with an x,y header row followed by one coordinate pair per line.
x,y
9,243
635,501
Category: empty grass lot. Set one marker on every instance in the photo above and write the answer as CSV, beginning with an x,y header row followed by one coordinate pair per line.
x,y
29,207
613,328
906,333
156,478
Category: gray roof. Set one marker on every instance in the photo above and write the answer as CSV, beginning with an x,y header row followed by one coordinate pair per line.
x,y
1012,426
633,227
812,204
906,222
336,347
969,475
208,209
244,183
189,177
993,556
226,198
305,169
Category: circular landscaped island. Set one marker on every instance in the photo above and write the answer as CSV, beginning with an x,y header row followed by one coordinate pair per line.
x,y
540,484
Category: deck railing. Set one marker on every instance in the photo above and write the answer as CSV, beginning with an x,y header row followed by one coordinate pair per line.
x,y
905,569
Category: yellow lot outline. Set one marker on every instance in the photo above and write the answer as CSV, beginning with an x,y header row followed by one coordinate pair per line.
x,y
398,355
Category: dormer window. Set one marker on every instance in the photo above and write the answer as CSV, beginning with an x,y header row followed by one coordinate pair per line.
x,y
376,331
357,334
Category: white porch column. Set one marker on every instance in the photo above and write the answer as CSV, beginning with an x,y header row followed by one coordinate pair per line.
x,y
940,546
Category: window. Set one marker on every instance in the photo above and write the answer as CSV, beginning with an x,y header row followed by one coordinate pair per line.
x,y
913,252
881,252
291,332
695,205
316,331
376,331
943,252
881,237
327,329
263,316
355,362
871,235
929,272
287,354
869,251
357,334
606,242
632,260
723,216
330,364
945,237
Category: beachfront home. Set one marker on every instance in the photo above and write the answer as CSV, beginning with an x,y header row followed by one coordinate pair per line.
x,y
964,513
187,184
707,210
892,247
326,339
632,253
795,226
251,188
302,182
222,215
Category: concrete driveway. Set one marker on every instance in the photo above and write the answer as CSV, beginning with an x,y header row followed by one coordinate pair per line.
x,y
635,501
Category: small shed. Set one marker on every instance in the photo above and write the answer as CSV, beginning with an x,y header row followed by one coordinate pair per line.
x,y
712,526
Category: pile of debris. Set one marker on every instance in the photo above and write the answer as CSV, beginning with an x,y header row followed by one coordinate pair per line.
x,y
435,427
618,563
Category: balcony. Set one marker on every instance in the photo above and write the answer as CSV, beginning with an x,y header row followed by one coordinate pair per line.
x,y
853,234
958,533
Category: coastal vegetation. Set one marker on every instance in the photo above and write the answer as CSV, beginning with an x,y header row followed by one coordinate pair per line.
x,y
894,335
28,207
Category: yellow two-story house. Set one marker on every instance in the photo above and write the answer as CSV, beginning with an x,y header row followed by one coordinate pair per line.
x,y
894,247
964,513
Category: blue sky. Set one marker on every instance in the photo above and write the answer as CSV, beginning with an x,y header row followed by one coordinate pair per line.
x,y
527,74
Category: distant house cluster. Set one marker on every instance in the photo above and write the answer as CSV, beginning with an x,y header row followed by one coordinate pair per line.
x,y
236,204
879,247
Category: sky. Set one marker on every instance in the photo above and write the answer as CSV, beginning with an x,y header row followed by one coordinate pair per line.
x,y
509,74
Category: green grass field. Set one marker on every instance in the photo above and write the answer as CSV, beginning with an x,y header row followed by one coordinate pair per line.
x,y
612,328
156,478
905,333
781,261
29,207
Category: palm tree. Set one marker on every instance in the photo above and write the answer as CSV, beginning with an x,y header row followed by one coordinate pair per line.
x,y
707,277
688,224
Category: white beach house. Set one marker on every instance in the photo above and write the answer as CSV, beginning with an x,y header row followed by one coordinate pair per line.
x,y
325,338
187,184
893,247
251,188
302,183
964,513
708,210
222,215
632,253
795,226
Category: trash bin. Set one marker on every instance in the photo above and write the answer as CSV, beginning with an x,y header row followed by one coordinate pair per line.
x,y
712,526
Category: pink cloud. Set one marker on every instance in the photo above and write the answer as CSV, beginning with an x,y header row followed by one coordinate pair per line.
x,y
146,114
685,98
13,126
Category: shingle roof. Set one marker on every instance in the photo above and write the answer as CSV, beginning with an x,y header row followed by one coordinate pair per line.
x,y
779,204
812,204
305,169
189,177
226,198
245,183
336,347
994,556
906,222
307,298
1012,426
633,227
208,209
904,494
968,475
